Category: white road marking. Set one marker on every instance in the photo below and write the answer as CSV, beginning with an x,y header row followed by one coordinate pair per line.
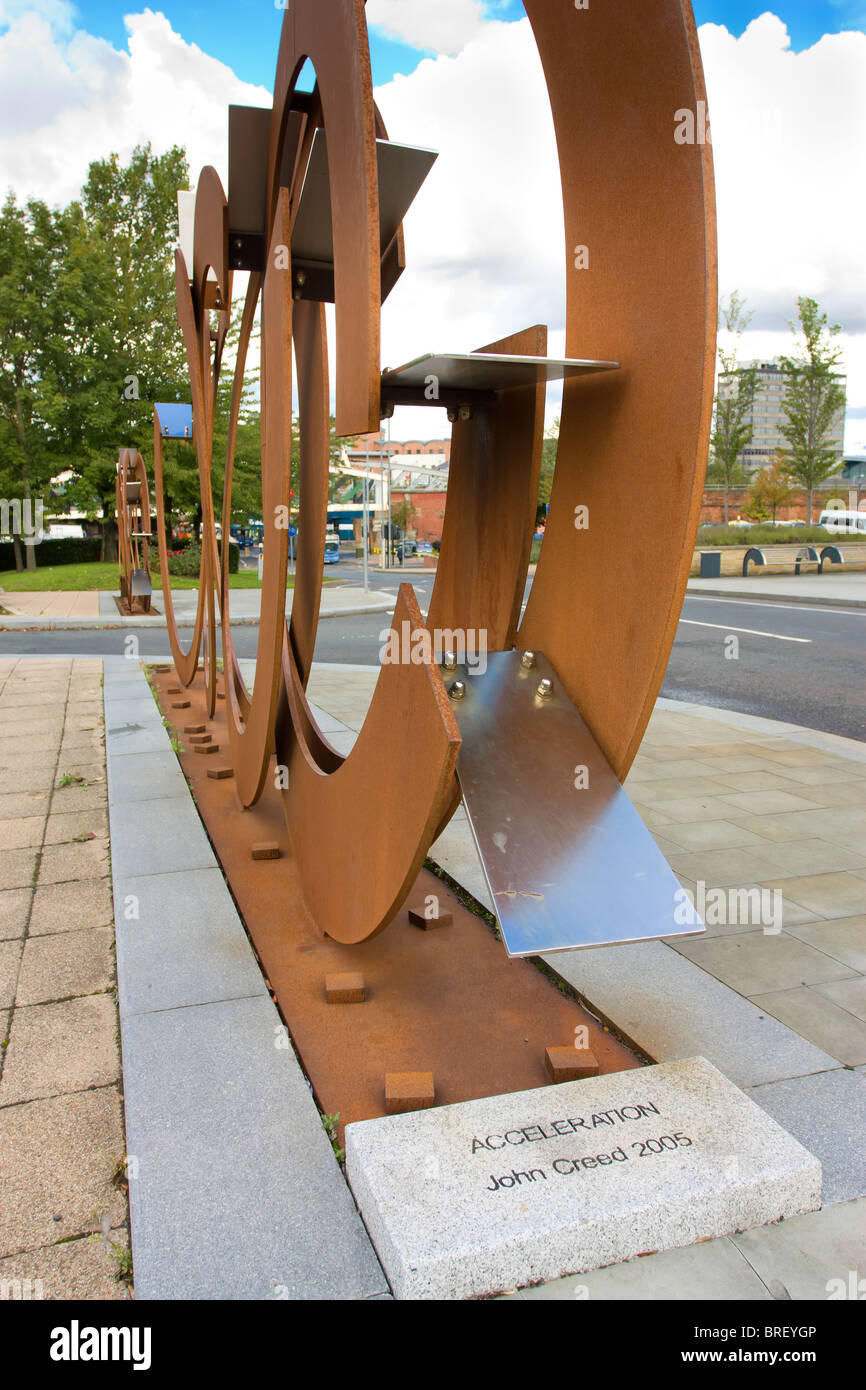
x,y
723,627
789,607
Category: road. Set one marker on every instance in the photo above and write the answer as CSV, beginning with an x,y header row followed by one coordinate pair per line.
x,y
801,663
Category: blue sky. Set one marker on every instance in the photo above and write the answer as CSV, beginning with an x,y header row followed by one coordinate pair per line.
x,y
244,33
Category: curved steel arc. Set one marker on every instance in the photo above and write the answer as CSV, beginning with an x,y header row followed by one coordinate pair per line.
x,y
251,721
648,301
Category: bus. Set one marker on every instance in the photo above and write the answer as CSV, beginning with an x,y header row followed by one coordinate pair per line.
x,y
836,521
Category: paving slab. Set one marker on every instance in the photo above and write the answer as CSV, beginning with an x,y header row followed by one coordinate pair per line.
x,y
18,805
754,962
238,1193
189,919
18,868
713,1271
820,1019
127,709
136,737
55,1049
144,776
162,835
14,911
811,1257
67,827
827,1113
74,862
841,937
848,994
830,895
77,1269
66,964
56,909
673,1009
608,1167
58,1157
10,960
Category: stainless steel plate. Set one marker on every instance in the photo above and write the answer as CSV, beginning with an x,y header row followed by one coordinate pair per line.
x,y
402,170
488,371
567,865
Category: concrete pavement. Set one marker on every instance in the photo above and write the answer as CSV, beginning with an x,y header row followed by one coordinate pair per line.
x,y
46,612
734,803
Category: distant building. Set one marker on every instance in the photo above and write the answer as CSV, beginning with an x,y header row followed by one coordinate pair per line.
x,y
767,417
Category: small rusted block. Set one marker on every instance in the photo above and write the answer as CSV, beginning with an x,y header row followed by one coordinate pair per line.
x,y
569,1063
266,849
180,704
197,740
172,690
206,748
220,695
408,1090
418,919
162,669
194,729
220,773
345,989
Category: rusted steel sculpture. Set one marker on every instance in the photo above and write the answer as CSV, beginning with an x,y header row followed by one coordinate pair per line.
x,y
132,500
317,194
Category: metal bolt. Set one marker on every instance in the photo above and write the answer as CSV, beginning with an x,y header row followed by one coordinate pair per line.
x,y
458,690
545,689
452,414
449,661
466,412
528,660
238,244
301,278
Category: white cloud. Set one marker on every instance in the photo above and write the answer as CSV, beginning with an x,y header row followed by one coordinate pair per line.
x,y
439,26
67,98
484,239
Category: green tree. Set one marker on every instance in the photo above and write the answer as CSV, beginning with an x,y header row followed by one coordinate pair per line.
x,y
30,249
813,400
123,347
735,397
771,489
548,467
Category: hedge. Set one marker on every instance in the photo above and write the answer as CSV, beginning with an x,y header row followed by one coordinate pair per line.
x,y
72,550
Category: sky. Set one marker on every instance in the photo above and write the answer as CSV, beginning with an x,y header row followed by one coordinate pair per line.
x,y
787,95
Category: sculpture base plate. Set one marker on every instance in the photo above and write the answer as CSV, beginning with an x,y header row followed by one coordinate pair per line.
x,y
448,1001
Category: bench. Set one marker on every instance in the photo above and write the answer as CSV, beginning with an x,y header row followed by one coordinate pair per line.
x,y
843,555
795,555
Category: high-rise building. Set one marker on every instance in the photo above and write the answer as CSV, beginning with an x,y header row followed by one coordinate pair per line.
x,y
767,417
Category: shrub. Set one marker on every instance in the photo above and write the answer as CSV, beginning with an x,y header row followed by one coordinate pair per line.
x,y
72,550
715,536
186,563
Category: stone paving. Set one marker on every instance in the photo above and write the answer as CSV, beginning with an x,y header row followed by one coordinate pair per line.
x,y
47,604
734,802
63,1212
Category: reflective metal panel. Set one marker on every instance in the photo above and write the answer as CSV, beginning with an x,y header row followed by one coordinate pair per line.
x,y
402,170
486,371
567,858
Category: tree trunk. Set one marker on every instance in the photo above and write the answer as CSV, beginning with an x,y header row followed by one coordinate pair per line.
x,y
109,549
809,507
29,550
16,550
726,501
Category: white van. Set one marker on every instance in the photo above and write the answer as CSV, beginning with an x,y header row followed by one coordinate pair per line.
x,y
837,521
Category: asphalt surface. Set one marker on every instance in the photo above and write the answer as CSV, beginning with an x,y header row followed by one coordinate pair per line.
x,y
800,663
